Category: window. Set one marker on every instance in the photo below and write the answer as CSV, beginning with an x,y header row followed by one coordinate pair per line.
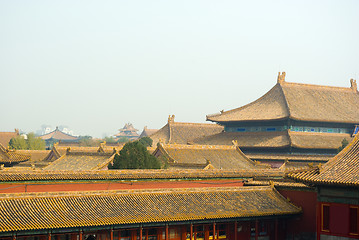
x,y
353,221
325,217
271,129
241,129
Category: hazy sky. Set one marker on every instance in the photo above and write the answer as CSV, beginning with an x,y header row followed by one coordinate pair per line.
x,y
96,65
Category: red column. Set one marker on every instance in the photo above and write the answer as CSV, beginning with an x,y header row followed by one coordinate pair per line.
x,y
256,238
235,230
276,229
14,237
318,213
214,231
140,233
146,234
111,234
191,231
49,236
166,232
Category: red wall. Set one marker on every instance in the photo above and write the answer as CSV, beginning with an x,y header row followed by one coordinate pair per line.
x,y
91,186
307,200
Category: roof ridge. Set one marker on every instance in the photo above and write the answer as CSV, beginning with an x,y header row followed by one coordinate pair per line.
x,y
198,146
342,153
25,195
317,86
161,148
196,124
317,133
289,115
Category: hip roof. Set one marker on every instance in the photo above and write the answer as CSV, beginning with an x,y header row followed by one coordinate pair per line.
x,y
99,208
302,102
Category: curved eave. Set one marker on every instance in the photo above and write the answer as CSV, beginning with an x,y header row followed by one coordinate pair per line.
x,y
247,120
322,120
309,177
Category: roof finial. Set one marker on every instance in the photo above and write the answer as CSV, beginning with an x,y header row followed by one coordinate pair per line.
x,y
281,77
353,85
171,119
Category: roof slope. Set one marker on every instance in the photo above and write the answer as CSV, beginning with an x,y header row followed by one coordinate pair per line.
x,y
199,156
343,169
128,174
286,138
270,106
81,161
11,156
58,135
64,210
147,132
247,139
182,133
35,155
302,102
5,137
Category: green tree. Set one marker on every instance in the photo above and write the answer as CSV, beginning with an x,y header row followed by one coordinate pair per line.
x,y
134,155
146,141
18,142
110,140
344,144
88,141
35,143
123,139
31,142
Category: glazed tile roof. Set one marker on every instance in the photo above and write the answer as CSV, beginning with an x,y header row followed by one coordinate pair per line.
x,y
58,135
5,137
275,183
293,166
59,150
286,138
11,156
303,102
81,161
44,175
247,139
291,157
35,155
317,140
182,133
99,208
147,132
343,169
199,156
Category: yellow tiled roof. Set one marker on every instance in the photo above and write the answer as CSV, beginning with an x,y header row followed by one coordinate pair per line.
x,y
296,101
220,157
43,175
81,161
343,169
182,133
291,157
11,156
286,138
99,208
275,183
35,155
58,135
5,137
